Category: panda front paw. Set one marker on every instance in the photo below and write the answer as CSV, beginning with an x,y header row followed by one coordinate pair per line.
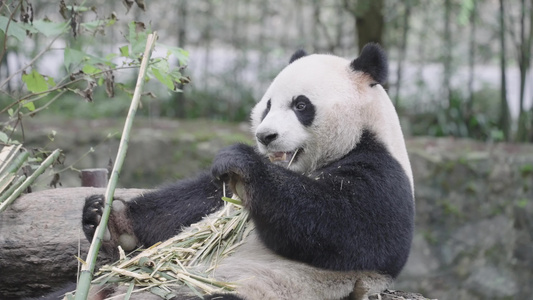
x,y
239,160
235,165
92,214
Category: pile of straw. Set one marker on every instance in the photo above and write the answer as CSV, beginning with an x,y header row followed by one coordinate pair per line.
x,y
187,259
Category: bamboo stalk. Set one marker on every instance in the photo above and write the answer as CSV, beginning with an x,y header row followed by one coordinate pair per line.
x,y
13,187
84,282
46,163
7,154
17,162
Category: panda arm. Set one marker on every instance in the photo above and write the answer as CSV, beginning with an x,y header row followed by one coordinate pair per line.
x,y
356,214
162,213
156,215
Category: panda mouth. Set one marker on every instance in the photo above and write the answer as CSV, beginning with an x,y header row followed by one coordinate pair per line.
x,y
285,157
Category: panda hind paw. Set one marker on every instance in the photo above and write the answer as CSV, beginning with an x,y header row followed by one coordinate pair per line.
x,y
92,213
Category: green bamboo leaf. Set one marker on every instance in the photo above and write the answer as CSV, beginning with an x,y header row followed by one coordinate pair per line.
x,y
93,25
179,53
29,105
14,30
72,57
50,28
175,75
164,79
125,51
35,82
233,201
137,37
3,137
50,81
90,69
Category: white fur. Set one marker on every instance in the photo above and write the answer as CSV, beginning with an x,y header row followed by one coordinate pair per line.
x,y
262,274
345,105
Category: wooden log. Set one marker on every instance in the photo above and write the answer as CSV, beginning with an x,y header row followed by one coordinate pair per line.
x,y
40,238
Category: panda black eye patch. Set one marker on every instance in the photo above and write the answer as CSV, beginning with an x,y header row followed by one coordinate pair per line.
x,y
267,109
304,110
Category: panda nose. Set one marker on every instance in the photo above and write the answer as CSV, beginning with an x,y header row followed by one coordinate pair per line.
x,y
266,137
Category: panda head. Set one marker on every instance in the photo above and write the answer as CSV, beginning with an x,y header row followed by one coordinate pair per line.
x,y
317,108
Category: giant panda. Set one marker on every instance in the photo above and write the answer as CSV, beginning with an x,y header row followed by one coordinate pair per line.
x,y
328,186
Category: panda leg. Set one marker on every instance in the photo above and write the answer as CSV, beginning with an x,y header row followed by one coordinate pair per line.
x,y
119,228
369,283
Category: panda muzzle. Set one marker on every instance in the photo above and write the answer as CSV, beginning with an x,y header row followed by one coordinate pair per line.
x,y
283,157
280,156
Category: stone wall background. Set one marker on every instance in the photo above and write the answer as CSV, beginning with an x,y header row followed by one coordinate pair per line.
x,y
474,234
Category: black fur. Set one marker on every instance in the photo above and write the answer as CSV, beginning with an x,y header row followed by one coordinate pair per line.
x,y
304,110
92,212
297,55
354,214
57,295
372,61
267,110
162,213
177,206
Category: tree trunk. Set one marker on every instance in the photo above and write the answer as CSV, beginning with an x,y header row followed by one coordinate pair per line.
x,y
315,31
524,62
505,118
421,50
180,101
207,44
523,67
339,34
471,59
40,238
369,22
447,55
402,52
530,43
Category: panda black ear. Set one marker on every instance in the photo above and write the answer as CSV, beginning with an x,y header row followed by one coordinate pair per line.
x,y
372,61
297,55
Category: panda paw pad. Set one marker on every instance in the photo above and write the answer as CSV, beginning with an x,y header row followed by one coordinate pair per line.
x,y
92,214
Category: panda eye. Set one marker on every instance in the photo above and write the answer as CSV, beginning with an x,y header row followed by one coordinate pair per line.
x,y
304,109
300,106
